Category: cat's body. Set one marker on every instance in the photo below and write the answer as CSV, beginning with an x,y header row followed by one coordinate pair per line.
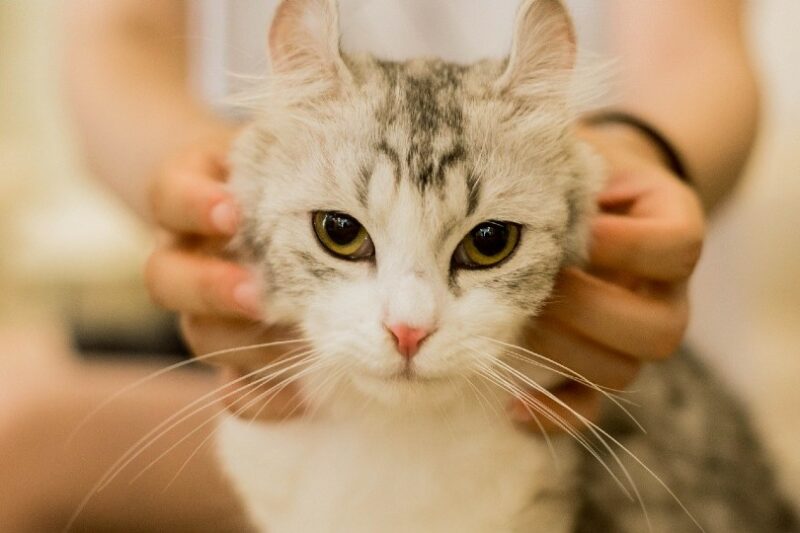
x,y
359,181
452,469
700,444
445,473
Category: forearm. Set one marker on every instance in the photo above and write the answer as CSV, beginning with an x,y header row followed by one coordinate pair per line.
x,y
46,477
685,68
127,81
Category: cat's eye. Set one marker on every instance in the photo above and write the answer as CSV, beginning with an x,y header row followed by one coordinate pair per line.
x,y
486,245
342,235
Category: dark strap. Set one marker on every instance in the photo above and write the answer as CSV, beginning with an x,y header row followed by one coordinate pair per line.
x,y
674,159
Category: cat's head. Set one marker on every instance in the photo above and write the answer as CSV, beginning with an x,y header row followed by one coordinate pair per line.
x,y
404,214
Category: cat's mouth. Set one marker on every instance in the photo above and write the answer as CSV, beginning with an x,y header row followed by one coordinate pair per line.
x,y
406,385
406,375
411,375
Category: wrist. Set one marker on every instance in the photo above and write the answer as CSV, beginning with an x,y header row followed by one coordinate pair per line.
x,y
640,138
205,127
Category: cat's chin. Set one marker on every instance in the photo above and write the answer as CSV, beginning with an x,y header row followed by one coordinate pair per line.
x,y
406,388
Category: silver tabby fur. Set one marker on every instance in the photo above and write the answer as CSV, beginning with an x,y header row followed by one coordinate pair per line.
x,y
420,152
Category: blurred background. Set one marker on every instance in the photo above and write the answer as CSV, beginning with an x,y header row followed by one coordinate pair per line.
x,y
70,250
68,247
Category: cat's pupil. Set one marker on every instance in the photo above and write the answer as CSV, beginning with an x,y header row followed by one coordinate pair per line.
x,y
342,229
490,238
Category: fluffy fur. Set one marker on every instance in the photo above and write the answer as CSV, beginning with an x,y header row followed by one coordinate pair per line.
x,y
420,153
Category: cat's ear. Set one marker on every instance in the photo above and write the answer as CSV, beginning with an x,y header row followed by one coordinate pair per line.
x,y
304,40
543,49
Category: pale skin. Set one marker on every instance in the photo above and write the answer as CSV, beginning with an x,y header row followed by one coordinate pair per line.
x,y
48,468
164,152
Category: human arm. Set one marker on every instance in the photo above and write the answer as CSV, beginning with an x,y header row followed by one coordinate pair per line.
x,y
630,306
127,82
685,67
686,71
162,150
48,467
209,287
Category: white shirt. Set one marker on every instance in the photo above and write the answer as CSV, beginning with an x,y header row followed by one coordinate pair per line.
x,y
231,35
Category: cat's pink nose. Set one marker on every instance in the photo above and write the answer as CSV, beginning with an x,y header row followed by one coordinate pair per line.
x,y
407,338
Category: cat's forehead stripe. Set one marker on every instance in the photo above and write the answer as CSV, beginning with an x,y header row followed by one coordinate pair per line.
x,y
383,148
473,192
425,100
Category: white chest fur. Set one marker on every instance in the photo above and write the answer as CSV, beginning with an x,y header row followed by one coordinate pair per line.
x,y
463,471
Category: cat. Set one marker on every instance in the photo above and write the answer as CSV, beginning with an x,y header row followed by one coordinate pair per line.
x,y
411,218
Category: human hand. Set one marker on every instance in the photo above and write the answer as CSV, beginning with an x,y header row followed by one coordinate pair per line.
x,y
629,305
217,299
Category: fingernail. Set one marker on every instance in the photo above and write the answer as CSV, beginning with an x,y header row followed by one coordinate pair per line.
x,y
248,296
224,217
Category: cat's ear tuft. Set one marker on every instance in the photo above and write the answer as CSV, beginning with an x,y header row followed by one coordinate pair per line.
x,y
304,40
543,50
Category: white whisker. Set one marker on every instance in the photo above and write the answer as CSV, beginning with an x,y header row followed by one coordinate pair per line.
x,y
565,371
260,396
212,396
577,378
593,428
112,471
535,404
100,483
330,380
272,392
483,401
285,383
574,376
260,381
162,371
530,412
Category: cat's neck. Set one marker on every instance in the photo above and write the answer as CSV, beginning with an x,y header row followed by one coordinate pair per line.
x,y
404,405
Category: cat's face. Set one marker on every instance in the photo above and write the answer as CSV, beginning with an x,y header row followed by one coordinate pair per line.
x,y
406,214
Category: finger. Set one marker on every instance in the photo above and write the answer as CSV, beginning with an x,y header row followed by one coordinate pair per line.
x,y
214,340
202,285
266,402
662,250
191,198
628,322
581,403
238,343
587,360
